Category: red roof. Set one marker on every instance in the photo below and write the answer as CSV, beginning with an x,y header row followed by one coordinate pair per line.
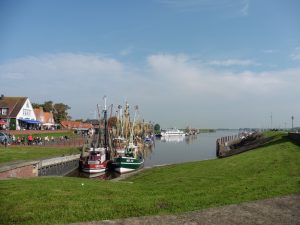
x,y
75,124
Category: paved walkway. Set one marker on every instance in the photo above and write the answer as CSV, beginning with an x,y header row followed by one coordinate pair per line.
x,y
276,211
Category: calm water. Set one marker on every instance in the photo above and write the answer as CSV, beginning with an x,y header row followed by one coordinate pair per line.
x,y
184,149
173,150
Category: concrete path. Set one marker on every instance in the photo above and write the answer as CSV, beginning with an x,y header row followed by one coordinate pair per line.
x,y
276,211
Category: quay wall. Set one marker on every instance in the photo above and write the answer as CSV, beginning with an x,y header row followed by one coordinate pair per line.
x,y
58,166
294,136
23,169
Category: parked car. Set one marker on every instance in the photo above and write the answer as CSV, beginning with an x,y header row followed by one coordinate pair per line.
x,y
4,137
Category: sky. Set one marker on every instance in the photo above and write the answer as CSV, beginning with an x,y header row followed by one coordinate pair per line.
x,y
198,63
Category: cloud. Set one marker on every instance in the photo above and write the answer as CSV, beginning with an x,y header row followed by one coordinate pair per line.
x,y
245,7
174,90
233,62
296,54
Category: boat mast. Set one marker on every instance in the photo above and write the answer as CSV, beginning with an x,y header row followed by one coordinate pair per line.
x,y
121,121
105,127
99,131
131,133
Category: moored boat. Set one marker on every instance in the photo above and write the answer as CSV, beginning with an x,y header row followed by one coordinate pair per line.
x,y
96,161
172,132
132,159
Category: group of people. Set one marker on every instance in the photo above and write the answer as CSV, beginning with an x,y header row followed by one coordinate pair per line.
x,y
37,140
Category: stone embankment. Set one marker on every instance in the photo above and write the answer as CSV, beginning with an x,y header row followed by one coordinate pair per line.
x,y
295,136
232,145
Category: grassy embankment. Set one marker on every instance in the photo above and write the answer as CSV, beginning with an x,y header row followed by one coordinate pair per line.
x,y
25,152
272,170
14,153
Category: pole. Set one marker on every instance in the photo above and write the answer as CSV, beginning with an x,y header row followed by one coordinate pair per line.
x,y
292,122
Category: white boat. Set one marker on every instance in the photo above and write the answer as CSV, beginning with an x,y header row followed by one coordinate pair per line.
x,y
172,132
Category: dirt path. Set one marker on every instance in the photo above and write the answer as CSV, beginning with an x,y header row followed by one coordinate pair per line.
x,y
276,211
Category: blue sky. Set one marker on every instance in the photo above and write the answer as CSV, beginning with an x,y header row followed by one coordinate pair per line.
x,y
204,63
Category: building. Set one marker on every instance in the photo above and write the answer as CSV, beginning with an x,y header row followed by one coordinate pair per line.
x,y
46,118
78,126
16,113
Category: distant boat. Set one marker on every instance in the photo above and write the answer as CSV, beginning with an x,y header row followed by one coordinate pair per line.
x,y
172,132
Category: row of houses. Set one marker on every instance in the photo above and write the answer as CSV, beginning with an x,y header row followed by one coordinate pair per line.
x,y
17,113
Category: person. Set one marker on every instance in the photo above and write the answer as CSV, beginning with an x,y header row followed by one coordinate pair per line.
x,y
18,140
29,139
13,139
5,141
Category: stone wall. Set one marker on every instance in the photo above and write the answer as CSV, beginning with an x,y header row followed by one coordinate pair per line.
x,y
25,169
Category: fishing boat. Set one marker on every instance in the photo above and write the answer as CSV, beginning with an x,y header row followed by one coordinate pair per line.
x,y
172,132
131,159
96,161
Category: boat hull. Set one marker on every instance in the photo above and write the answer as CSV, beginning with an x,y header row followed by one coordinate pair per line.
x,y
96,167
127,164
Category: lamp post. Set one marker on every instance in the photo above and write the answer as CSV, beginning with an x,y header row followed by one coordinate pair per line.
x,y
292,122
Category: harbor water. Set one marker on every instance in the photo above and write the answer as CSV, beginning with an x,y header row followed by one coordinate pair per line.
x,y
179,149
173,150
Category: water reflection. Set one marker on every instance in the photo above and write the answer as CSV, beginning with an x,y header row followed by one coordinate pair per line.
x,y
172,138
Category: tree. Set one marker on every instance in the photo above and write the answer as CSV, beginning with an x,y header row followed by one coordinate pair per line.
x,y
60,112
48,106
156,128
36,105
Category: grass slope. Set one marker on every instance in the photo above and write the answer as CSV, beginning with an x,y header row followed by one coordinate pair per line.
x,y
273,170
14,153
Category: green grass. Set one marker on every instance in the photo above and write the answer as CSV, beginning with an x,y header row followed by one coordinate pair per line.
x,y
273,170
14,153
57,134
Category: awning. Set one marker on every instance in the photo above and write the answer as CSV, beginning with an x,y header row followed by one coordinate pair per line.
x,y
30,121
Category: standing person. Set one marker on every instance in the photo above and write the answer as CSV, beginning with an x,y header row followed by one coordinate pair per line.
x,y
5,141
13,139
30,139
19,140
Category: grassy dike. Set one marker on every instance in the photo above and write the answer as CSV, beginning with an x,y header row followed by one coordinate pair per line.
x,y
272,170
15,153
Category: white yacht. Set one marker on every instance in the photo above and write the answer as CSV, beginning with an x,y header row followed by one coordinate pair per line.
x,y
172,132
